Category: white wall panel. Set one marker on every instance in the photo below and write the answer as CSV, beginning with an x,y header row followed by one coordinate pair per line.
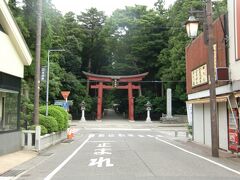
x,y
223,131
198,123
207,125
10,62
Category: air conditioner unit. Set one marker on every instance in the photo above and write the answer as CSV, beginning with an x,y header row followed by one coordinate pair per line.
x,y
222,74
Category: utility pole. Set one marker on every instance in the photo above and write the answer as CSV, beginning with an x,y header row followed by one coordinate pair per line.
x,y
37,63
212,88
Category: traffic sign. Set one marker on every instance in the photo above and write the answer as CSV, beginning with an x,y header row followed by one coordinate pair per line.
x,y
65,94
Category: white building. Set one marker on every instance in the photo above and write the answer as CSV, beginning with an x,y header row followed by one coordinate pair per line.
x,y
227,63
14,55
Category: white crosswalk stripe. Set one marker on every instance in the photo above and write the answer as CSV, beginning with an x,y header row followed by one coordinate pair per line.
x,y
130,135
151,136
121,135
101,135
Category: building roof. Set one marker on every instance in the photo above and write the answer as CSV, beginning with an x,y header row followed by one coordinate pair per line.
x,y
11,28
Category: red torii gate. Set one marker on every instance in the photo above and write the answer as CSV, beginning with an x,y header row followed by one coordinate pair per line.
x,y
100,79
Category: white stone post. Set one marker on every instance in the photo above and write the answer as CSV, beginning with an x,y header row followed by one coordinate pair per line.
x,y
83,115
148,115
169,103
148,108
38,138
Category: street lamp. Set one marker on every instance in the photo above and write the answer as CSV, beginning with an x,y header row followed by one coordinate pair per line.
x,y
48,66
192,27
148,106
211,72
83,107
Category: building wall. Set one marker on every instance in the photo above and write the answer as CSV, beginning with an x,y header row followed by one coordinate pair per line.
x,y
234,39
198,124
9,59
223,125
202,124
14,138
197,55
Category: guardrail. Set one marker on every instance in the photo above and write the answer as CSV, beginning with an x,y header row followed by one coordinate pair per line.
x,y
32,140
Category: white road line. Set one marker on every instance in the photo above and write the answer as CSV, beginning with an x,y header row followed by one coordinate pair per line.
x,y
111,135
101,135
68,159
117,129
150,136
130,135
141,136
159,136
101,141
6,178
199,156
121,135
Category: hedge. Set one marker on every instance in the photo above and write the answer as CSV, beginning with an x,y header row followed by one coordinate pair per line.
x,y
65,114
49,123
55,113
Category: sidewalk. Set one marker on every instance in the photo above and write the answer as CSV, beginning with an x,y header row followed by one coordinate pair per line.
x,y
12,160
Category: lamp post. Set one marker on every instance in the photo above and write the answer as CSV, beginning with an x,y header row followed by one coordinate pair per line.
x,y
48,66
191,26
83,107
148,108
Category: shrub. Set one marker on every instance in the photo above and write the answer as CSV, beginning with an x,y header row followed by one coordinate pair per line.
x,y
55,113
49,123
43,129
65,115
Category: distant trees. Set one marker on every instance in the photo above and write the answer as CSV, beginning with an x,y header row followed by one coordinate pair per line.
x,y
131,41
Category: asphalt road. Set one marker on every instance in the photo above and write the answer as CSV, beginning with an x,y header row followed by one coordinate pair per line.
x,y
124,155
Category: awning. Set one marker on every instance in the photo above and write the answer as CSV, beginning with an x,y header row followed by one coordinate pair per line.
x,y
207,100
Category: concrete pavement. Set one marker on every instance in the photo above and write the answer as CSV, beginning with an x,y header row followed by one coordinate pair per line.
x,y
13,160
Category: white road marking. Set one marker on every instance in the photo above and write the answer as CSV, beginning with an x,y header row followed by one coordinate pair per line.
x,y
141,136
101,135
199,156
111,135
68,159
6,178
130,135
117,129
150,136
101,141
159,136
121,135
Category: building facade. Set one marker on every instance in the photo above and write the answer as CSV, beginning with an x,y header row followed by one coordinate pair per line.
x,y
14,55
227,74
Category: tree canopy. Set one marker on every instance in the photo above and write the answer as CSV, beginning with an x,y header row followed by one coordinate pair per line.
x,y
132,40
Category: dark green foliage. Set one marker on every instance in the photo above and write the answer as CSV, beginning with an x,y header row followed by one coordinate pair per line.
x,y
55,113
65,114
43,129
49,123
131,41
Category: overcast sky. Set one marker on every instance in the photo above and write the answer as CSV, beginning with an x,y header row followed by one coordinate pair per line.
x,y
108,6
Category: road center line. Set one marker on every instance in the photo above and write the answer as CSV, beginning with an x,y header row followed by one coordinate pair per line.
x,y
199,156
68,159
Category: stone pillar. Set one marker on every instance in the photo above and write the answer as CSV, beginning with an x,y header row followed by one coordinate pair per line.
x,y
169,103
83,115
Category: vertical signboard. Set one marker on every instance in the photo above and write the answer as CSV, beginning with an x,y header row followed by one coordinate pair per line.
x,y
237,27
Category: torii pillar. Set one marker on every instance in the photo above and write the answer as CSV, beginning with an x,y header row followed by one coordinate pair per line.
x,y
130,102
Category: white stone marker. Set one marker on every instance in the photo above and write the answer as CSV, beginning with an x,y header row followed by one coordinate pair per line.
x,y
169,103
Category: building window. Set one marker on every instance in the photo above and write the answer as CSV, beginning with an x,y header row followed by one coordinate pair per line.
x,y
8,110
